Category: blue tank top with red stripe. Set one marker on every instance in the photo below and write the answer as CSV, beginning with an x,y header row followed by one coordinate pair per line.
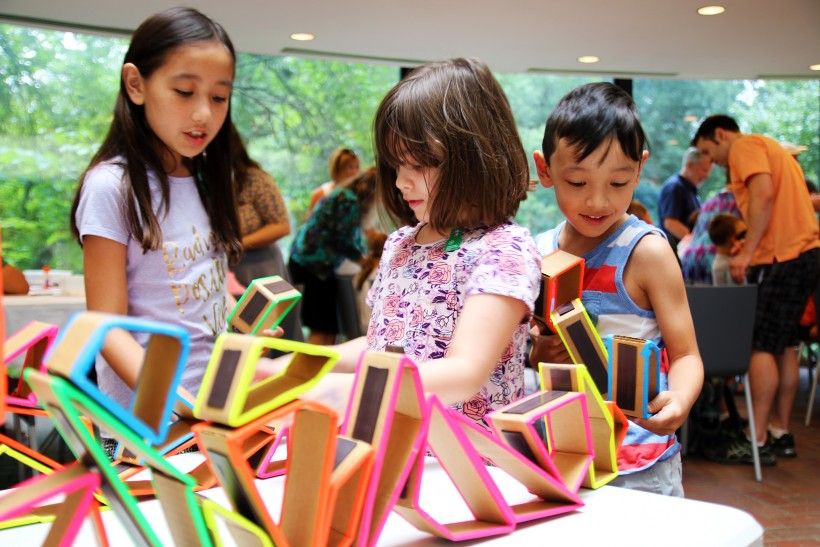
x,y
613,311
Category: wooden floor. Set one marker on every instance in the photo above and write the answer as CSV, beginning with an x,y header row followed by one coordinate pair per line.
x,y
787,502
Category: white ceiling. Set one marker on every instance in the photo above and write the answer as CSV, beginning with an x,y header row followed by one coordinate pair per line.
x,y
633,38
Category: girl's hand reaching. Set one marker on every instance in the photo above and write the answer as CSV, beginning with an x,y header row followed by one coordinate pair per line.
x,y
547,348
183,410
275,333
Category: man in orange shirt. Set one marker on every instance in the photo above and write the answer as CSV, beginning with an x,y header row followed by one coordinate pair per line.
x,y
780,254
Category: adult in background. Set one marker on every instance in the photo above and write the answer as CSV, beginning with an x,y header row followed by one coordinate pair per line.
x,y
342,165
263,220
780,254
331,234
679,196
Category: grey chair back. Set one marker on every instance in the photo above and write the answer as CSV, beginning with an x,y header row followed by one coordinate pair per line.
x,y
724,319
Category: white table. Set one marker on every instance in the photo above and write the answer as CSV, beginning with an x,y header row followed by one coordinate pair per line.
x,y
56,310
661,520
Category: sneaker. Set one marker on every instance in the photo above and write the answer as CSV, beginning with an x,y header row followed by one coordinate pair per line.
x,y
739,450
782,446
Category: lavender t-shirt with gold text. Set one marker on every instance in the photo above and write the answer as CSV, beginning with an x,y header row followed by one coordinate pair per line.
x,y
182,283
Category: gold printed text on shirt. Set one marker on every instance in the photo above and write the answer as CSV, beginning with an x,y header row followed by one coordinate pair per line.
x,y
180,259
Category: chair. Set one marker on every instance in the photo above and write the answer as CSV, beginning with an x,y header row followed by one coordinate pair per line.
x,y
347,308
724,319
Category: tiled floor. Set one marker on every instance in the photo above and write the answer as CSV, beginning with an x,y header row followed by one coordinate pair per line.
x,y
787,502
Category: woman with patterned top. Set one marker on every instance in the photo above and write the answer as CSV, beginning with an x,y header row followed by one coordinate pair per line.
x,y
263,220
332,234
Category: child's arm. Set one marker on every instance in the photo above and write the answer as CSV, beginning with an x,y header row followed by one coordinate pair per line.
x,y
350,352
653,278
106,290
485,327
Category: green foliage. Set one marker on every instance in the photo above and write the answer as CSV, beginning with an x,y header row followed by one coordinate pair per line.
x,y
35,199
59,90
787,110
295,112
56,108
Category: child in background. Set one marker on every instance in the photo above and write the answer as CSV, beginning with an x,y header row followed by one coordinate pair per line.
x,y
593,152
155,211
639,210
367,274
727,233
457,281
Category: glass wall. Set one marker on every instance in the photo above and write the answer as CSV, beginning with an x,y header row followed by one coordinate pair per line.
x,y
56,103
59,87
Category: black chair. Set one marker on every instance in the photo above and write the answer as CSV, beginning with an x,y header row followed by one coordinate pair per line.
x,y
724,319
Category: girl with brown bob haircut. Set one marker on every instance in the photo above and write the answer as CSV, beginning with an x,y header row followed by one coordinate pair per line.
x,y
455,117
450,161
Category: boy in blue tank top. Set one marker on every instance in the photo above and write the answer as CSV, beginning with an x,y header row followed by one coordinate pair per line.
x,y
593,153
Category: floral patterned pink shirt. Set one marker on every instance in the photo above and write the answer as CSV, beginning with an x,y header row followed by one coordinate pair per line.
x,y
420,290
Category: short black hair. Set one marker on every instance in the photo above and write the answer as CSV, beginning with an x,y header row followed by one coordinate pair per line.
x,y
592,114
709,125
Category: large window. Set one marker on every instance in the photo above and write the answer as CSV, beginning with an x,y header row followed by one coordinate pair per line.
x,y
56,103
670,112
59,87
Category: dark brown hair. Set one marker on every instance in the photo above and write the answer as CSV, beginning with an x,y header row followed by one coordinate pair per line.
x,y
241,161
721,229
363,186
638,209
131,139
455,117
375,247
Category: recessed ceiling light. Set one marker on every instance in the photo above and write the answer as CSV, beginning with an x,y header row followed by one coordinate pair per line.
x,y
711,10
672,142
814,67
302,36
588,59
690,118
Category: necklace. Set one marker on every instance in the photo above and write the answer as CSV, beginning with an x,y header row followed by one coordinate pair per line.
x,y
453,242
